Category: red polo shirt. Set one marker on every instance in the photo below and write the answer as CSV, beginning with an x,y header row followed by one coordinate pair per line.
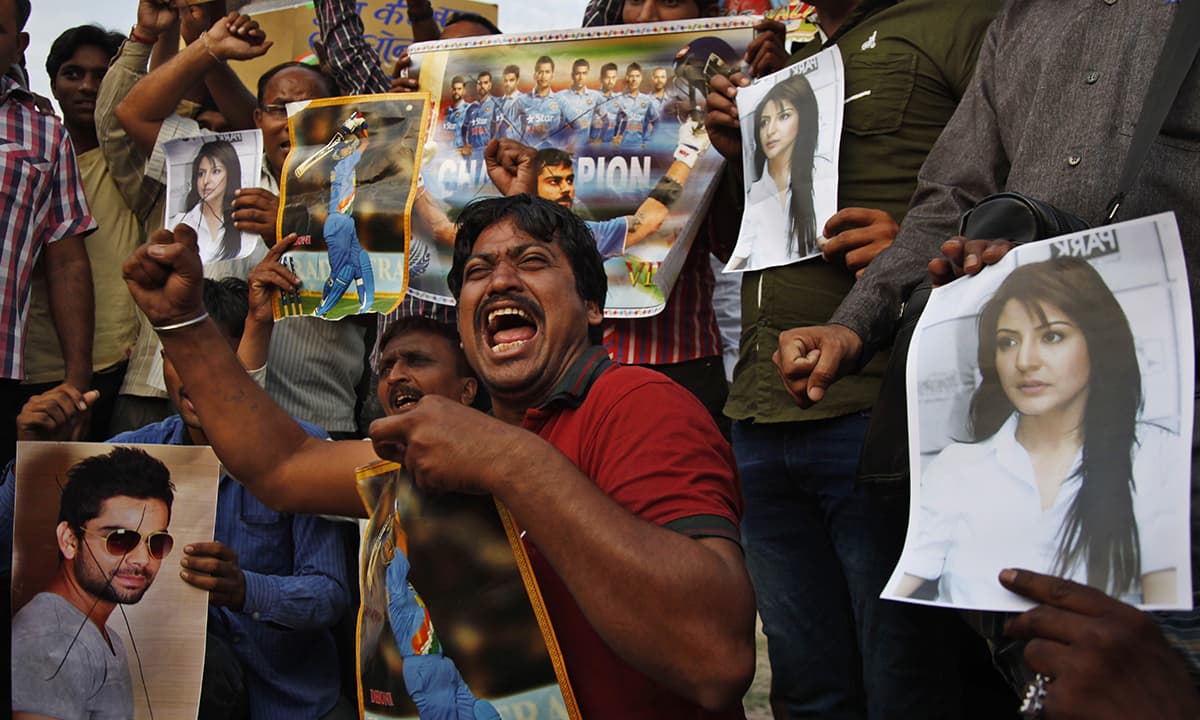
x,y
654,449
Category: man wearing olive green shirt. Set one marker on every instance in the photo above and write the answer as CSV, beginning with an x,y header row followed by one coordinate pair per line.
x,y
819,546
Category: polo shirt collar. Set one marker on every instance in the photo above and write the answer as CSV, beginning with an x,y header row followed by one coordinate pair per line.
x,y
573,388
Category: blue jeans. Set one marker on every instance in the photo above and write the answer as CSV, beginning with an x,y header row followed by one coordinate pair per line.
x,y
820,548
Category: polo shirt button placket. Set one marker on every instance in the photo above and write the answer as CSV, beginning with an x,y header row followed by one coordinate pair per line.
x,y
1092,77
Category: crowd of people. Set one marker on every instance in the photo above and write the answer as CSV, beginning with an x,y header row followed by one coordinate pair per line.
x,y
662,506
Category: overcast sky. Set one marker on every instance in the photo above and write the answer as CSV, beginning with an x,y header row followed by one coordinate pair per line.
x,y
51,17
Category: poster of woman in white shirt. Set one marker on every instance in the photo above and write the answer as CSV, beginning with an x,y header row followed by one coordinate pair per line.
x,y
203,175
1050,422
791,132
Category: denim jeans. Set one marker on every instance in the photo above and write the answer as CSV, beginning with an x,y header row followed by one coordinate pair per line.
x,y
820,548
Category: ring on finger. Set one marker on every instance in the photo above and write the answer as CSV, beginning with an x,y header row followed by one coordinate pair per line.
x,y
1034,702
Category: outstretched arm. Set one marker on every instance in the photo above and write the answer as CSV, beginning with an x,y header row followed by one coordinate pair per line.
x,y
125,160
649,217
266,450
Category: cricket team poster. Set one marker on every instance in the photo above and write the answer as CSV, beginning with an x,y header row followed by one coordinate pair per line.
x,y
608,110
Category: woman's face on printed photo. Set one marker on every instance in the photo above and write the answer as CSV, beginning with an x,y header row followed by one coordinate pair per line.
x,y
210,179
778,126
1042,363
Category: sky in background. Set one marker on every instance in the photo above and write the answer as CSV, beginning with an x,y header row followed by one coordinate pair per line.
x,y
51,17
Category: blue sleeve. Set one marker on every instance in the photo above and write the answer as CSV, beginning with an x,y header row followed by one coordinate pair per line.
x,y
8,499
610,236
460,134
621,121
652,111
317,593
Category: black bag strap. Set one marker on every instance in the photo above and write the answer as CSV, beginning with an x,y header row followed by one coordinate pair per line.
x,y
1178,54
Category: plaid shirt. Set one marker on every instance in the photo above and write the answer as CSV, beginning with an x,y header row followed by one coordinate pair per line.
x,y
41,201
354,64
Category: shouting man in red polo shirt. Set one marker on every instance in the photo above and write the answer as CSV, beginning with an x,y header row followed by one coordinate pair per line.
x,y
623,487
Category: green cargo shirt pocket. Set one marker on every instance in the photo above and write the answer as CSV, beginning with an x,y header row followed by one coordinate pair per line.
x,y
889,79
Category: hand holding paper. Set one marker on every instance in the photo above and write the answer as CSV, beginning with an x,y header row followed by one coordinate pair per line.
x,y
1106,658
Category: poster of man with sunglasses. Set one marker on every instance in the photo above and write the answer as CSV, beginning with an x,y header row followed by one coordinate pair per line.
x,y
98,630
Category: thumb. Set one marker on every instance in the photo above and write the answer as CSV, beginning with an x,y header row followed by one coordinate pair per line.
x,y
824,373
90,397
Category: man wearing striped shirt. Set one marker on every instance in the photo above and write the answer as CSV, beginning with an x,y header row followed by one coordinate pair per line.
x,y
42,208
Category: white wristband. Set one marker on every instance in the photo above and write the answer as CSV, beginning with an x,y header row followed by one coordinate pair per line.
x,y
687,154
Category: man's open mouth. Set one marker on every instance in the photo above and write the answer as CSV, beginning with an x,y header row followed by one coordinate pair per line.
x,y
509,328
404,395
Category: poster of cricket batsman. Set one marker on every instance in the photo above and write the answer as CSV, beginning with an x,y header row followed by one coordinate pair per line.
x,y
451,623
615,115
347,190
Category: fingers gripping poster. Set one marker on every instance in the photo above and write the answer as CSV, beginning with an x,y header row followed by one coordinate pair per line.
x,y
452,623
347,190
615,115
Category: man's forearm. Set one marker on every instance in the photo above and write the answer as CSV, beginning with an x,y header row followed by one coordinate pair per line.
x,y
157,94
266,450
232,98
126,163
72,306
299,602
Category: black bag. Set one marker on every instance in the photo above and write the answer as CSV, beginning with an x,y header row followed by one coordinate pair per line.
x,y
1003,216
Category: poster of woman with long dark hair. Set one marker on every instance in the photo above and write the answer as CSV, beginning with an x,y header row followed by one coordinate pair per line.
x,y
791,130
1050,424
203,175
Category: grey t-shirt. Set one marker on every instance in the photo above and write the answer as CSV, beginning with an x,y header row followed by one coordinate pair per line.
x,y
92,683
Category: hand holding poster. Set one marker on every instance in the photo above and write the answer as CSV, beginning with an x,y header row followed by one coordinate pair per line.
x,y
452,623
791,133
1050,424
347,190
104,625
203,175
615,115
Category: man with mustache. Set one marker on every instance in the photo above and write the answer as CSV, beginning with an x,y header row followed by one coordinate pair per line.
x,y
622,485
112,538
